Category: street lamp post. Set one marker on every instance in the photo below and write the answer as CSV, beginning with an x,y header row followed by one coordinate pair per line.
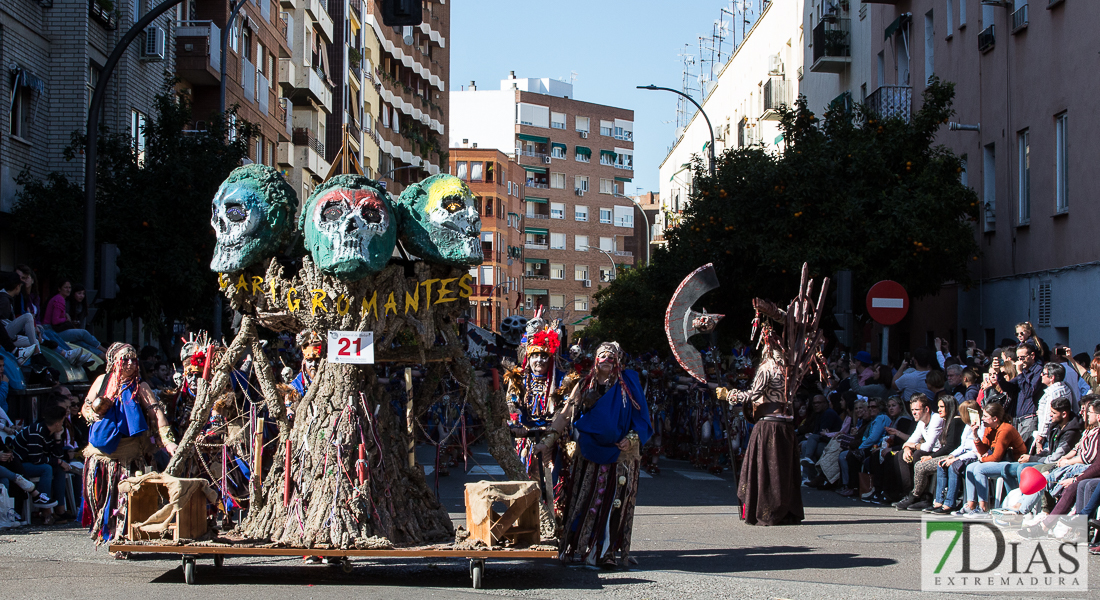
x,y
710,149
91,146
614,270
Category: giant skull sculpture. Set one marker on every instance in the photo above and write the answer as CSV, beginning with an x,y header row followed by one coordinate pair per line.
x,y
440,223
349,227
252,217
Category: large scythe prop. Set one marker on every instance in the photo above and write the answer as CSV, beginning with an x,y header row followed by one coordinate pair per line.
x,y
681,322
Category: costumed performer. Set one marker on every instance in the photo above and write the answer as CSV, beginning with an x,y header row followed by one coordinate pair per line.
x,y
120,442
609,417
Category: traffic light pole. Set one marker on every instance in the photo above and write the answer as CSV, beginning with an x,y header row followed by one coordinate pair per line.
x,y
92,141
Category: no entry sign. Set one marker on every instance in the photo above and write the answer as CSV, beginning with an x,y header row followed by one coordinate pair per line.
x,y
887,302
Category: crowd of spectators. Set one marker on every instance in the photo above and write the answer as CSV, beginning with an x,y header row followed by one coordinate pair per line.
x,y
951,435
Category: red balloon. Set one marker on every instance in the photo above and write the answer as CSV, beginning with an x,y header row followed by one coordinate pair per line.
x,y
1032,481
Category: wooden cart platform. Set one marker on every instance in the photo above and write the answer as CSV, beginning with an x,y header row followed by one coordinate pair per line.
x,y
189,552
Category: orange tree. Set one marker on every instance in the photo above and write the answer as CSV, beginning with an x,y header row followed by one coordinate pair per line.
x,y
849,191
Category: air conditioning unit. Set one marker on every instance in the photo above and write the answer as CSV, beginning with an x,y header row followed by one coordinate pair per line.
x,y
584,135
587,283
546,160
578,192
775,65
153,48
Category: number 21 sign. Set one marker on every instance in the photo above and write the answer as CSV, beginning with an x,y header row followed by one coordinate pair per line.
x,y
355,347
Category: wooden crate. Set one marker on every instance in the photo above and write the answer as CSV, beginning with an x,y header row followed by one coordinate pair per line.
x,y
188,524
519,523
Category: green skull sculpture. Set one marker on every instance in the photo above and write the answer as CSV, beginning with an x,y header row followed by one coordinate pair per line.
x,y
252,217
349,227
440,223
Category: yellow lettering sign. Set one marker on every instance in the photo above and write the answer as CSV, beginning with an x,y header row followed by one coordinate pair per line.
x,y
343,305
427,285
257,285
464,286
242,284
441,296
293,304
317,300
390,305
412,300
223,281
372,305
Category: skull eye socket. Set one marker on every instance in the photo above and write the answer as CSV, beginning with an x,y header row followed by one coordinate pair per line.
x,y
332,212
235,212
372,215
453,204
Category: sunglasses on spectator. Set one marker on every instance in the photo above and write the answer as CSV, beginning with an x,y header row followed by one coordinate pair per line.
x,y
128,359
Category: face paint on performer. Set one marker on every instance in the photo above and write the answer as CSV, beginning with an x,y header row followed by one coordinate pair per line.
x,y
128,365
540,363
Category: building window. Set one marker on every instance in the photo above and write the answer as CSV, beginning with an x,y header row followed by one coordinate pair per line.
x,y
509,188
951,16
581,303
557,301
964,176
580,213
557,151
1023,167
580,272
489,172
582,125
488,207
557,120
1061,164
929,46
476,173
962,14
557,181
557,241
605,215
581,183
137,136
607,186
557,210
624,216
557,271
607,128
460,170
21,113
607,244
580,243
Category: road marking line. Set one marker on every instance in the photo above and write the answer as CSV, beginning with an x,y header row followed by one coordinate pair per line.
x,y
488,470
428,469
644,475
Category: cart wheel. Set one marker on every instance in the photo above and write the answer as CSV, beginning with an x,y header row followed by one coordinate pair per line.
x,y
477,569
189,571
219,560
346,566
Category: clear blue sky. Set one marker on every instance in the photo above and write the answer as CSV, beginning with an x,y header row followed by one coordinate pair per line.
x,y
612,45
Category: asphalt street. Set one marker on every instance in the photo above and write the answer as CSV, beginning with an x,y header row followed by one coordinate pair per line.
x,y
688,542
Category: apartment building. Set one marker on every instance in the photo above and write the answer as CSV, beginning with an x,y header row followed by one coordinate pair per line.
x,y
641,243
760,76
839,65
577,158
404,104
259,37
1027,136
497,182
52,53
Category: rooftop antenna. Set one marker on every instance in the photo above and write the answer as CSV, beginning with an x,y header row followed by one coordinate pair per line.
x,y
682,105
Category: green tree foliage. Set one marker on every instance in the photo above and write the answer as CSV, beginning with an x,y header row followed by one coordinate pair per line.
x,y
155,205
851,191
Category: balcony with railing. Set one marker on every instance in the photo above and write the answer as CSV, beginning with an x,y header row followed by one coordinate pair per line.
x,y
310,150
1019,19
318,9
777,93
198,52
832,39
891,102
986,40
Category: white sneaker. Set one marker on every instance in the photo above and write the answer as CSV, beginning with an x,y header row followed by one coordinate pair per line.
x,y
1034,519
868,494
22,355
43,501
23,483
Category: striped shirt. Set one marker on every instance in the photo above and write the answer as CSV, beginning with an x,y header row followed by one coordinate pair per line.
x,y
1089,444
36,445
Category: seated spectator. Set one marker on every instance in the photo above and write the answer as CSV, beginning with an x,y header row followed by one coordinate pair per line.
x,y
910,378
894,435
1070,500
20,328
997,448
78,306
955,385
28,301
950,469
924,466
57,317
822,420
972,382
896,474
936,380
851,431
1063,433
5,387
42,455
862,366
850,460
